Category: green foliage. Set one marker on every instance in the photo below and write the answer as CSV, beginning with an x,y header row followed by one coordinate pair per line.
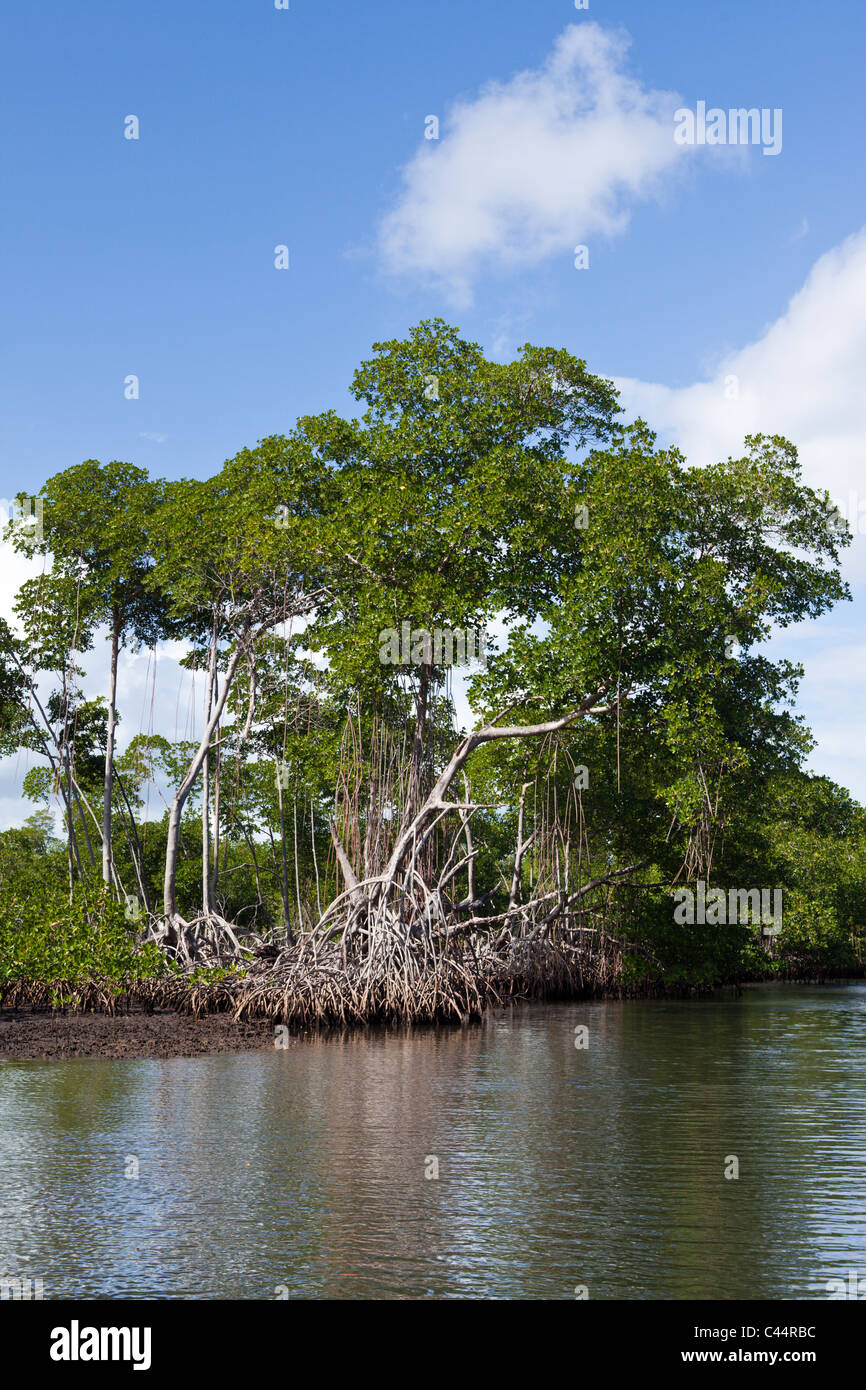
x,y
440,489
467,490
816,836
43,937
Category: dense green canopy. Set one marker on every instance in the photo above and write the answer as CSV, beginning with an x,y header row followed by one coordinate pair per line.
x,y
324,581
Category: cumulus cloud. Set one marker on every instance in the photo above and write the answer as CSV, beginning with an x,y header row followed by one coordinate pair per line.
x,y
803,378
533,166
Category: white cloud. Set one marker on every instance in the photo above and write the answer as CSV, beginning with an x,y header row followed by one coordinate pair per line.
x,y
802,378
533,166
14,569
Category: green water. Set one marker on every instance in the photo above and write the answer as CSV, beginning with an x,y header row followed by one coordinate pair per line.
x,y
305,1170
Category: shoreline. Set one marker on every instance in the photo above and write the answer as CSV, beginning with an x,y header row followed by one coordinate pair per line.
x,y
30,1035
142,1030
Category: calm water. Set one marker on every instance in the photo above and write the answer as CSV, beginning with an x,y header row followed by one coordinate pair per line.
x,y
304,1169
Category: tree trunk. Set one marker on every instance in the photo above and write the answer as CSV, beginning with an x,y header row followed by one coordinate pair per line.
x,y
217,781
135,849
280,876
186,786
284,864
109,749
416,763
435,802
205,786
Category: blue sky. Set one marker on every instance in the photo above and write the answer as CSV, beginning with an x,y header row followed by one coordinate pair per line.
x,y
305,127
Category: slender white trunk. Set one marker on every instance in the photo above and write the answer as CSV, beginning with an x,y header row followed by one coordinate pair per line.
x,y
205,787
186,786
109,750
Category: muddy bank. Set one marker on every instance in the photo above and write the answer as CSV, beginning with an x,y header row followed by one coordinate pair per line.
x,y
176,1018
29,1035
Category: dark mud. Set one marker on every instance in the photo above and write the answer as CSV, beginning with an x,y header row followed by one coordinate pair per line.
x,y
29,1035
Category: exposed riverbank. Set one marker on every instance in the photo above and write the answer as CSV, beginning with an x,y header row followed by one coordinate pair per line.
x,y
26,1034
178,1019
